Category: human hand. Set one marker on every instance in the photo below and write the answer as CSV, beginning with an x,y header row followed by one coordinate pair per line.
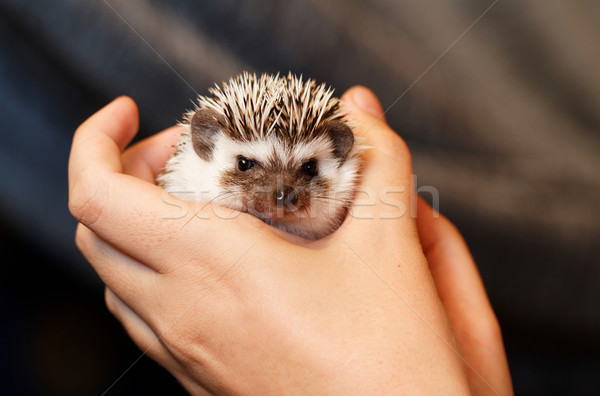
x,y
231,306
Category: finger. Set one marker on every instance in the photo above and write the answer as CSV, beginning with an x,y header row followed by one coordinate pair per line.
x,y
462,292
150,344
146,159
141,334
129,278
110,129
386,171
136,217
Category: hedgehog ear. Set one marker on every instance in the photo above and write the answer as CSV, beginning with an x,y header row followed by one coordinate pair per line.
x,y
342,137
205,125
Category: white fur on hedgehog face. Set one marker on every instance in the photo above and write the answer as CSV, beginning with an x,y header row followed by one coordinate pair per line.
x,y
191,178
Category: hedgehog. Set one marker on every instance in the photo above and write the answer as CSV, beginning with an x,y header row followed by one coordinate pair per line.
x,y
276,147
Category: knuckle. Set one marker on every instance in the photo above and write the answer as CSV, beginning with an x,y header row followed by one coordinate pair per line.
x,y
181,334
492,331
398,145
81,238
390,143
87,200
487,331
450,228
110,302
179,344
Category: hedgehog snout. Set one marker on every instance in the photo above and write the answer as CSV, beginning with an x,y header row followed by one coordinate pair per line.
x,y
285,196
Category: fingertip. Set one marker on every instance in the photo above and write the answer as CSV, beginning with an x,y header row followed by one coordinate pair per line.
x,y
146,159
129,116
125,98
364,99
362,107
173,134
123,106
119,119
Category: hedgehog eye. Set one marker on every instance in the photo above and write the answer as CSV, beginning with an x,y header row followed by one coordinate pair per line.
x,y
244,164
310,168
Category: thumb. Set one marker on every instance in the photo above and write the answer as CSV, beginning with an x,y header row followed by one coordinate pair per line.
x,y
386,183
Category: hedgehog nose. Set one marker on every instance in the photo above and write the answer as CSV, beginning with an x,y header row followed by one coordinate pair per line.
x,y
285,196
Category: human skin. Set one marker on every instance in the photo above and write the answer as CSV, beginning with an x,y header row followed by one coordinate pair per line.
x,y
387,304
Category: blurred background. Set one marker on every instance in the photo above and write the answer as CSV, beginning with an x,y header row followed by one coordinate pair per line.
x,y
498,101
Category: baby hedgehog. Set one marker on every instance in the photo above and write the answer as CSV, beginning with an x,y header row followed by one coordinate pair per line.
x,y
275,147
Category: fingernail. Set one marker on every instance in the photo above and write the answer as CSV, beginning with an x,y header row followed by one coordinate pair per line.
x,y
367,101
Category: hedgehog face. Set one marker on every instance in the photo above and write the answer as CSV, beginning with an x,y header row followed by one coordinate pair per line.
x,y
294,184
276,182
270,189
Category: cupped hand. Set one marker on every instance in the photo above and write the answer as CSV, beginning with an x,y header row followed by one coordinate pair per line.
x,y
229,305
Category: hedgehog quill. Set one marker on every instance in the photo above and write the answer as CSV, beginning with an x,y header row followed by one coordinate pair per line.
x,y
276,147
